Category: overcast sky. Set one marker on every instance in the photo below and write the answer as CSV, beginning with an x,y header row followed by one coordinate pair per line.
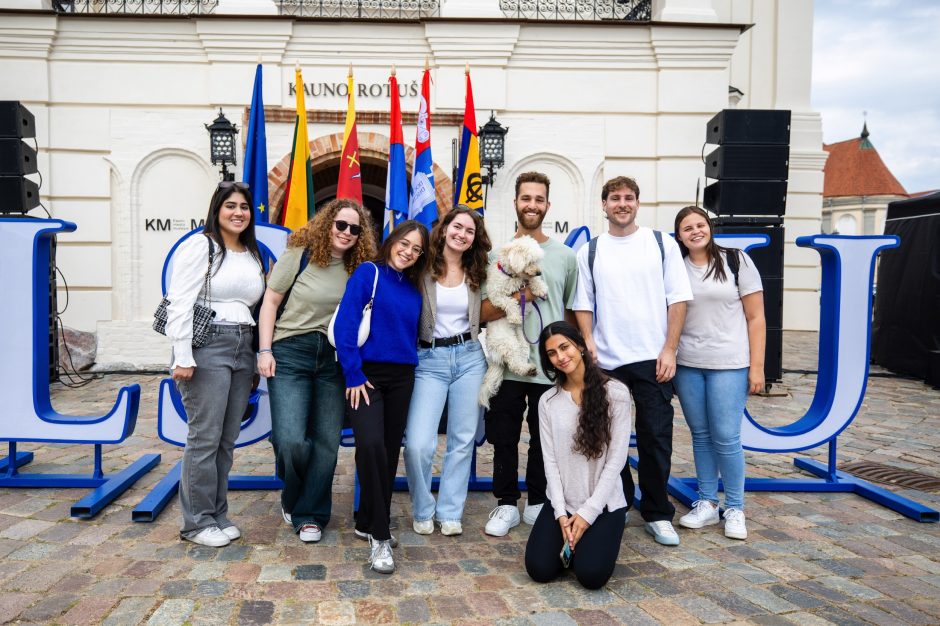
x,y
882,56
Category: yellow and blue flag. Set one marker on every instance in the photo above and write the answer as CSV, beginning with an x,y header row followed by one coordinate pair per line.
x,y
469,183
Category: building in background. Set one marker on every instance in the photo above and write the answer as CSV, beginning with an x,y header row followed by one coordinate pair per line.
x,y
616,88
858,187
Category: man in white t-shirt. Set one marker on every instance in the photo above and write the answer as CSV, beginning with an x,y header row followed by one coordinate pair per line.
x,y
630,306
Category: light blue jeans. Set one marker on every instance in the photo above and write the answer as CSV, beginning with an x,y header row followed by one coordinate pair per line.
x,y
451,374
713,404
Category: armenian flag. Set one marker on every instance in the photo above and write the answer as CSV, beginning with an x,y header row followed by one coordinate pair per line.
x,y
469,183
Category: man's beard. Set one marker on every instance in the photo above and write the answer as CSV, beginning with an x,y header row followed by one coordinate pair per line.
x,y
524,221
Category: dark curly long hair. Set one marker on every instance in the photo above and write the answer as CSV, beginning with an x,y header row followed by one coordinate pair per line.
x,y
474,260
593,434
716,265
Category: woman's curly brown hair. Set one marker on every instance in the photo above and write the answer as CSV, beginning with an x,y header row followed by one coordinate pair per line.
x,y
594,420
474,260
315,235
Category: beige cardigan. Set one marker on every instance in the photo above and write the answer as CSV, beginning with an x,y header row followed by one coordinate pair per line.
x,y
429,309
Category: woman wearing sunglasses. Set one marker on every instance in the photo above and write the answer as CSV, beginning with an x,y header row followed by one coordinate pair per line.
x,y
450,370
304,377
215,379
380,374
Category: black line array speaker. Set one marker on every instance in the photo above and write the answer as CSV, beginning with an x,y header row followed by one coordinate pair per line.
x,y
17,159
769,262
750,164
749,126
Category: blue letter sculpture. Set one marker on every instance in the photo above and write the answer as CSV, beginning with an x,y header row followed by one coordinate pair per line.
x,y
848,266
27,413
171,415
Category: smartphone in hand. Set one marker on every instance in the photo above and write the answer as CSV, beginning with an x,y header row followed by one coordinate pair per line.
x,y
565,555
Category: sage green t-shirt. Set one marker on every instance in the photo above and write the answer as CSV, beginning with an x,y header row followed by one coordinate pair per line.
x,y
560,272
315,295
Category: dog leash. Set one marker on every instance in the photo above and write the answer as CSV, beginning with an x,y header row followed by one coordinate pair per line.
x,y
535,305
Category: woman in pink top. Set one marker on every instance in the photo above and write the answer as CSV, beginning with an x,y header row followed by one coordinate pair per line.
x,y
585,428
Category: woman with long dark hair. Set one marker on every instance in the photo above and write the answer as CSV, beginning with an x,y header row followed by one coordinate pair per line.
x,y
720,360
214,380
584,423
304,377
450,369
380,374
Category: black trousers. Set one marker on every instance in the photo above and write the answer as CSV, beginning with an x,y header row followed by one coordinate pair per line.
x,y
378,428
503,430
595,554
654,414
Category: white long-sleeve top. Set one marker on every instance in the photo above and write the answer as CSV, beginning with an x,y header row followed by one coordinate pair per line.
x,y
236,288
575,483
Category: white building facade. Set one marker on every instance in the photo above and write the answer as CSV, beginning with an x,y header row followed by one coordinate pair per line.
x,y
121,102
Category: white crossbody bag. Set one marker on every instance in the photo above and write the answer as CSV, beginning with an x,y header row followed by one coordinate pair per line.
x,y
366,323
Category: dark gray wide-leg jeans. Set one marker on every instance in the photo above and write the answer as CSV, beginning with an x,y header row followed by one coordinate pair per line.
x,y
215,400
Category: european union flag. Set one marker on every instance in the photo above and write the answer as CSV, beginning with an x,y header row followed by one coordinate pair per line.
x,y
256,154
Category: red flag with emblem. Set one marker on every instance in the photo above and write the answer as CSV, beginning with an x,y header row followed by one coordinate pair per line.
x,y
350,177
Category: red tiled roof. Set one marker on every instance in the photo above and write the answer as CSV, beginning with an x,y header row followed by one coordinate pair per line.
x,y
854,169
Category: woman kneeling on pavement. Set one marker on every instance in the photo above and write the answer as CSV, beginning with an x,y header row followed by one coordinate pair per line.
x,y
380,374
304,377
585,428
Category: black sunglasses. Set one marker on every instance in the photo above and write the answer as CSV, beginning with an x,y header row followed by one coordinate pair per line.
x,y
354,229
225,185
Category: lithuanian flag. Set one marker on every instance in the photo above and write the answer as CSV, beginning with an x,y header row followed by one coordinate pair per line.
x,y
298,200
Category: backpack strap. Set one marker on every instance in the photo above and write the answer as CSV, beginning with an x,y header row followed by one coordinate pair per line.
x,y
734,262
662,250
304,261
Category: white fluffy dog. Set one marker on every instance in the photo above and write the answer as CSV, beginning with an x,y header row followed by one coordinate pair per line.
x,y
516,266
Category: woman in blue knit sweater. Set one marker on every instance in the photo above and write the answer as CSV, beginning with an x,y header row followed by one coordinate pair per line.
x,y
380,374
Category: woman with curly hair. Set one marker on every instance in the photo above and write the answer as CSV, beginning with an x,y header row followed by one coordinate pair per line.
x,y
450,369
585,427
304,377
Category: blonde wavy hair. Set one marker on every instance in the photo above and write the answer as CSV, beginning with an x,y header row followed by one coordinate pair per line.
x,y
315,236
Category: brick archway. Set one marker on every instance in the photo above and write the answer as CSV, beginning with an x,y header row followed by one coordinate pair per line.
x,y
328,148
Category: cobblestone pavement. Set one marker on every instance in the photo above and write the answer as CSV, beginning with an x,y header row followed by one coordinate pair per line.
x,y
809,559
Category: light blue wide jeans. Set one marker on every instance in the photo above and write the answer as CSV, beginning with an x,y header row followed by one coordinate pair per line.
x,y
451,374
713,404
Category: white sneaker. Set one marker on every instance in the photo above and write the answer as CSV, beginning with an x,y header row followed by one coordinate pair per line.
x,y
531,512
310,533
211,536
423,527
367,537
735,528
381,558
451,529
286,516
663,532
502,518
232,532
703,513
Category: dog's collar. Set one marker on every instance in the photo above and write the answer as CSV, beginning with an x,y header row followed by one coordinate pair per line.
x,y
499,266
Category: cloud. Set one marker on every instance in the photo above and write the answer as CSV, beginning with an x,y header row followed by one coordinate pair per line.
x,y
879,56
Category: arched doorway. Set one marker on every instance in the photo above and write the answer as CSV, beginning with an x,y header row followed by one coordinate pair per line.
x,y
373,158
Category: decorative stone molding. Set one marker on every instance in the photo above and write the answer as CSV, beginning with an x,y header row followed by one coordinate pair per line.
x,y
326,150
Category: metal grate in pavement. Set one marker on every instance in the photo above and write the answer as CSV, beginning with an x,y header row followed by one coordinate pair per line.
x,y
882,473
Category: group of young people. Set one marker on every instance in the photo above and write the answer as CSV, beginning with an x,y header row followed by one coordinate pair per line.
x,y
387,338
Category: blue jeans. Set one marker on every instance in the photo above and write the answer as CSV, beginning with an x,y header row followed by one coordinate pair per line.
x,y
307,408
452,374
713,403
